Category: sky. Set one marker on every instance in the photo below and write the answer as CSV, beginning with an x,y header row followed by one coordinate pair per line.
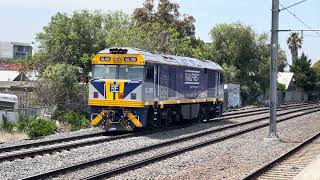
x,y
20,20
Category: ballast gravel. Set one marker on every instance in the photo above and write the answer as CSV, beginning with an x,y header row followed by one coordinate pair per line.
x,y
141,156
29,166
234,158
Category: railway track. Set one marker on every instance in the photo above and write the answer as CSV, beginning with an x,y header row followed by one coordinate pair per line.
x,y
258,109
58,145
288,165
257,112
86,136
261,107
159,157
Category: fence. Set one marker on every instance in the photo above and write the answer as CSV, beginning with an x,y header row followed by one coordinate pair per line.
x,y
295,95
12,114
25,99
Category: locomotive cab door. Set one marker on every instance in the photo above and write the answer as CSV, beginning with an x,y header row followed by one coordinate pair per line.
x,y
156,87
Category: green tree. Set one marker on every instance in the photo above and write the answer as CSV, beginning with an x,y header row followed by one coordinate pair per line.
x,y
233,44
58,87
154,37
73,39
245,57
167,12
316,68
263,57
294,43
177,30
304,76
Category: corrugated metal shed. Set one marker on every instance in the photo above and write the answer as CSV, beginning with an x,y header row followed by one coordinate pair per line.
x,y
168,59
285,78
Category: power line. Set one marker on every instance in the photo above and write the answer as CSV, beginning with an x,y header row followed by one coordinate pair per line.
x,y
293,5
284,8
310,35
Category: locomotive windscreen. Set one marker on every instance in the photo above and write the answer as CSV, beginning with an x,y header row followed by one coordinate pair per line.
x,y
130,72
104,71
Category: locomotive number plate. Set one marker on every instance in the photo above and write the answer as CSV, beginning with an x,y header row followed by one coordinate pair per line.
x,y
114,88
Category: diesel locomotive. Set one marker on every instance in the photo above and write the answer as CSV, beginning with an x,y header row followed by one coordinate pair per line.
x,y
131,89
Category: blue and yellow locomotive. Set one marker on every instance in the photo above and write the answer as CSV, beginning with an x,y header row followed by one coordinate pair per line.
x,y
131,88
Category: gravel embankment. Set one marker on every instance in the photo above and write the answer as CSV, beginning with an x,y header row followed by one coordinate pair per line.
x,y
21,168
231,159
77,133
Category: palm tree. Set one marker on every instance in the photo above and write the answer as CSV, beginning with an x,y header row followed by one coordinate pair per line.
x,y
294,43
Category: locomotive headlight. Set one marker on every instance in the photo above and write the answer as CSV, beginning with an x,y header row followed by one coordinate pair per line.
x,y
133,96
95,94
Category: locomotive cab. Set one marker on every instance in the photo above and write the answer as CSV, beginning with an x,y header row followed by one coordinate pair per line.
x,y
115,90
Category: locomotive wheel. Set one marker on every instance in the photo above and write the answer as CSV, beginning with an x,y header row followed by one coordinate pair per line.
x,y
202,115
165,118
170,117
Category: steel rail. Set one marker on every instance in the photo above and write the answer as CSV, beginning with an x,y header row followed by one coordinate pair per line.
x,y
163,156
170,142
59,147
48,142
73,138
281,158
245,114
264,109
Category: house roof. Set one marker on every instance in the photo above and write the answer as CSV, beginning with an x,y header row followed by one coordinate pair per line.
x,y
9,67
285,78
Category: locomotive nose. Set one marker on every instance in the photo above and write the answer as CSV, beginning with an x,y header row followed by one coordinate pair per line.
x,y
115,90
117,102
123,90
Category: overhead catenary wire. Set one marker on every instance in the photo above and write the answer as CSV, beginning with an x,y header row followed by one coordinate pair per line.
x,y
310,35
299,19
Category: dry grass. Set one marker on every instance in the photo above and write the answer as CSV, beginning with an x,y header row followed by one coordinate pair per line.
x,y
6,137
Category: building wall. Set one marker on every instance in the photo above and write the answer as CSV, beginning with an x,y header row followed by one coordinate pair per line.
x,y
6,50
232,96
9,50
21,51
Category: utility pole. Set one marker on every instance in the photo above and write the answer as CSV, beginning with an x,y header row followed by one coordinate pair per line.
x,y
273,70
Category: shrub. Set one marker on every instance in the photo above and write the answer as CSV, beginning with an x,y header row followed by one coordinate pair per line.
x,y
39,127
6,125
22,122
75,120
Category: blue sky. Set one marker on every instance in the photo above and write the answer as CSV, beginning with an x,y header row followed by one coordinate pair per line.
x,y
20,19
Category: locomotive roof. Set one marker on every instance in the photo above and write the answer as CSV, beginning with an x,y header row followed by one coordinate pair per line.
x,y
165,59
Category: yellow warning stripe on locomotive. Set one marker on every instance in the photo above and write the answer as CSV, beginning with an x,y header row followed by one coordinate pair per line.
x,y
115,103
141,104
129,59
